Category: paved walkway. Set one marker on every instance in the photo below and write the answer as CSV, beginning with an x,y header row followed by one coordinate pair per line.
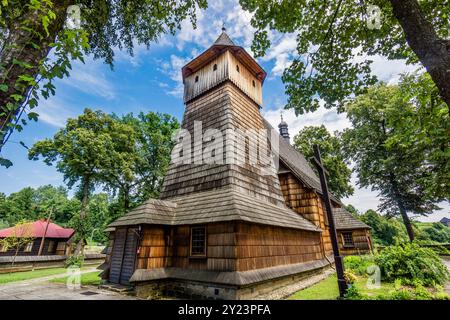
x,y
42,289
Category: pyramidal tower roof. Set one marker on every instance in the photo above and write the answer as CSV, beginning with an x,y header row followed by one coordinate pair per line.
x,y
222,44
223,39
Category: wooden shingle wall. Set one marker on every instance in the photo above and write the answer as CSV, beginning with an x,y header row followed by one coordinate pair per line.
x,y
231,246
226,108
307,203
361,240
261,246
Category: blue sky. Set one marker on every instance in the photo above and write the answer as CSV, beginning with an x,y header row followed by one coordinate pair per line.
x,y
151,81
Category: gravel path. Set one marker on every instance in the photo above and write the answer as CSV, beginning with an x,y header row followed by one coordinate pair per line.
x,y
42,289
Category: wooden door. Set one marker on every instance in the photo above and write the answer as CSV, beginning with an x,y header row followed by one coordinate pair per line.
x,y
117,255
129,256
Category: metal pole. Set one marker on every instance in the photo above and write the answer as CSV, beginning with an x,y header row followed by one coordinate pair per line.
x,y
342,284
41,247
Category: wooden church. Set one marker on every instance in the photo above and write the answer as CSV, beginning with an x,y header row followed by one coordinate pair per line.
x,y
228,229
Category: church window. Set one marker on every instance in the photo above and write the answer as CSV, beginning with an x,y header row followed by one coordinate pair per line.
x,y
198,241
347,238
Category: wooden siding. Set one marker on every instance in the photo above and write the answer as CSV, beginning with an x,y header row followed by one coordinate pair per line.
x,y
260,246
232,246
244,79
35,249
117,254
361,239
308,204
208,78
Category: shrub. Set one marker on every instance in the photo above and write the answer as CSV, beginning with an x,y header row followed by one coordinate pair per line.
x,y
410,262
349,277
74,261
358,264
354,294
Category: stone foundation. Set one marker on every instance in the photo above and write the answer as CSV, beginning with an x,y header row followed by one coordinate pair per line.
x,y
188,289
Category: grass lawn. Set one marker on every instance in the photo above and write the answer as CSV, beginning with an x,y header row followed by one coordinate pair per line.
x,y
327,289
26,275
90,278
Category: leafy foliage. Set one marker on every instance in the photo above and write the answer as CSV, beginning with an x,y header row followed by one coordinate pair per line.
x,y
30,29
385,231
335,46
332,157
411,263
398,145
358,264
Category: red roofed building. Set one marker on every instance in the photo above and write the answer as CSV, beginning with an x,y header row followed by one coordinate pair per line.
x,y
55,242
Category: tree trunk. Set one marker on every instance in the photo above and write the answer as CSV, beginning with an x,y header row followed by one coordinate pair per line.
x,y
18,46
432,51
406,221
84,203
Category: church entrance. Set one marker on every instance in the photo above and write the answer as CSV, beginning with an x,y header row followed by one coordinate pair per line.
x,y
123,255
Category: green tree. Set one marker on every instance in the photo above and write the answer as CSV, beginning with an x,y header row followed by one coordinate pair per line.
x,y
400,171
335,43
31,29
21,236
84,151
332,157
151,159
354,212
19,206
32,204
384,231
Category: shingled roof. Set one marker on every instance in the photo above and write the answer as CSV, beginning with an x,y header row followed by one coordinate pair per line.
x,y
223,40
344,220
225,204
297,163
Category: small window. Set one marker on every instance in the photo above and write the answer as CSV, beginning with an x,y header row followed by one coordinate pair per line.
x,y
213,153
198,241
253,83
196,78
214,67
28,247
347,238
181,153
51,246
61,246
237,68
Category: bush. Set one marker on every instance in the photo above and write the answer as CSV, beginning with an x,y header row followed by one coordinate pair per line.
x,y
74,261
410,262
358,264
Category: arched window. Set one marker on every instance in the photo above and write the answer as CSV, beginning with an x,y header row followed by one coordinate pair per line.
x,y
196,78
237,68
215,67
253,82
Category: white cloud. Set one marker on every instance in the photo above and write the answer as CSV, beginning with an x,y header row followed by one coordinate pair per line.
x,y
54,111
328,117
89,78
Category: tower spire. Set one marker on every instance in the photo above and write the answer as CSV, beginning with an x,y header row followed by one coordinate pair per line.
x,y
283,127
